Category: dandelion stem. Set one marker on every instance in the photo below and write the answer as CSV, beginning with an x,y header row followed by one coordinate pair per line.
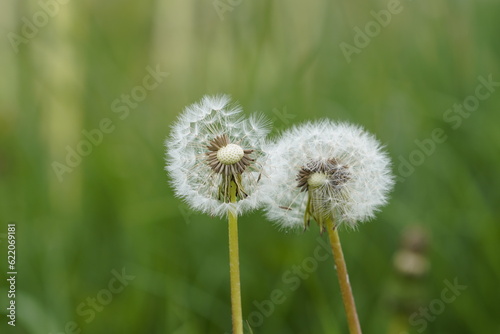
x,y
345,285
234,267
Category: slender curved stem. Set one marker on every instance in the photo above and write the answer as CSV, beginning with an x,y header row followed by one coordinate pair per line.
x,y
234,267
345,285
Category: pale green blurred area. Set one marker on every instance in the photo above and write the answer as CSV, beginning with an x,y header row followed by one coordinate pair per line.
x,y
116,209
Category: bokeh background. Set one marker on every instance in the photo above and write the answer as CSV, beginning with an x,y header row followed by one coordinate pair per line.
x,y
68,65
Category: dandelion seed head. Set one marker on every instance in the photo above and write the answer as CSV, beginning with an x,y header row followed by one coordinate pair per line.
x,y
212,145
323,170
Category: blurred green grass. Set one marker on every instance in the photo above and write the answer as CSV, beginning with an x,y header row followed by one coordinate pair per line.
x,y
116,210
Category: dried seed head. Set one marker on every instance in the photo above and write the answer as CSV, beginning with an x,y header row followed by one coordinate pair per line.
x,y
210,148
326,170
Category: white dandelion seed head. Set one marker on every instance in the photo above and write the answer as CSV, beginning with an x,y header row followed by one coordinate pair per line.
x,y
209,144
337,169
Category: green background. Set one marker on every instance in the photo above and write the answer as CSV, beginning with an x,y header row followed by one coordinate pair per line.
x,y
115,210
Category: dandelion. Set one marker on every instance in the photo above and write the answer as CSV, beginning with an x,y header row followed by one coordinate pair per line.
x,y
210,147
334,173
213,159
326,170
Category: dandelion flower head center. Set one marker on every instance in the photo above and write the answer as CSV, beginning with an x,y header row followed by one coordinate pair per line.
x,y
323,181
329,173
230,161
316,180
227,158
230,154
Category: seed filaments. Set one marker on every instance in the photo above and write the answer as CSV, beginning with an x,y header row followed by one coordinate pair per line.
x,y
322,181
230,160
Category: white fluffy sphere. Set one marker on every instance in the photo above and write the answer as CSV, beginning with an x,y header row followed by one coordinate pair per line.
x,y
359,181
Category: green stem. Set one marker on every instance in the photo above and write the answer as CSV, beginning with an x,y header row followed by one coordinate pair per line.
x,y
234,267
345,285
